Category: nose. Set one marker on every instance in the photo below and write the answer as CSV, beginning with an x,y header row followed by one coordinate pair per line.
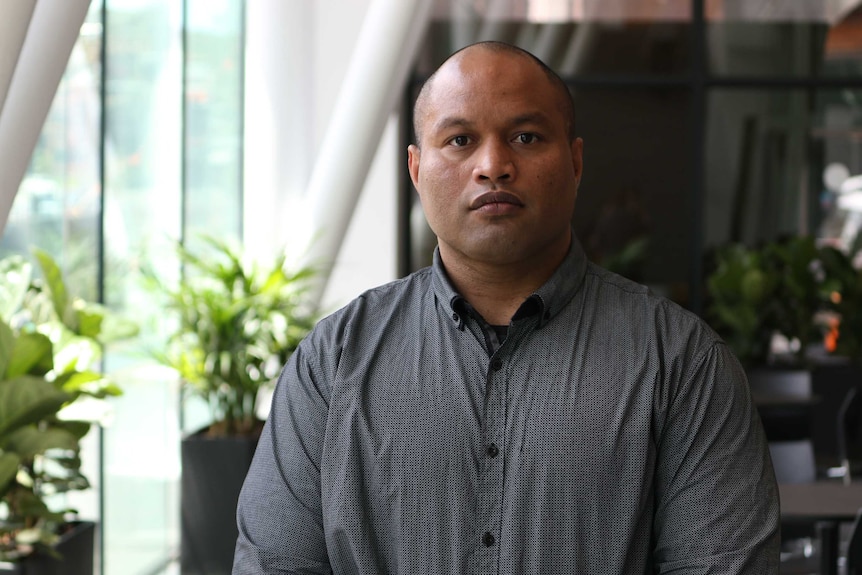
x,y
494,162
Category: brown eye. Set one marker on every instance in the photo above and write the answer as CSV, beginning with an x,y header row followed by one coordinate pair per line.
x,y
459,141
526,138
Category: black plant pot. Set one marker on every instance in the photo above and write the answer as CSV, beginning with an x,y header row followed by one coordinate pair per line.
x,y
213,471
76,548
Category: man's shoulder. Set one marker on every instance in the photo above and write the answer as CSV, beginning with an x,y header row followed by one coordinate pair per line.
x,y
400,294
627,296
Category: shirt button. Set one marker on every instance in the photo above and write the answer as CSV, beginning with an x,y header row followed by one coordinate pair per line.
x,y
497,364
492,450
488,539
455,316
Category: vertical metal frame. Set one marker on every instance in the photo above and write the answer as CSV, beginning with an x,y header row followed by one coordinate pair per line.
x,y
100,264
697,93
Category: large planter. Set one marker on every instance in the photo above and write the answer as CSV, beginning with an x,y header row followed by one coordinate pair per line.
x,y
76,548
213,471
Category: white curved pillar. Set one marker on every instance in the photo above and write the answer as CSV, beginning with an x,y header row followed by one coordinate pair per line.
x,y
379,67
42,34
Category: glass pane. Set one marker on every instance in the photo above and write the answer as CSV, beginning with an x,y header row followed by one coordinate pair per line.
x,y
785,10
566,10
778,163
836,171
756,158
213,118
143,112
650,37
793,39
57,207
636,188
213,149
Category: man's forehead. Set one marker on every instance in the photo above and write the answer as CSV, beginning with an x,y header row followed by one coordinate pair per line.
x,y
527,116
480,75
481,59
469,78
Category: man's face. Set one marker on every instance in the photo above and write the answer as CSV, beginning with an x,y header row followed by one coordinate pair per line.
x,y
496,172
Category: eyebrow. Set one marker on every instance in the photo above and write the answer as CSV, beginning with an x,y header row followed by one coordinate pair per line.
x,y
451,122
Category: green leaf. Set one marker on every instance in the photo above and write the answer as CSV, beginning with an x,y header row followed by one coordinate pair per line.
x,y
30,441
27,399
15,274
88,383
77,428
8,469
56,286
32,354
7,344
115,328
89,320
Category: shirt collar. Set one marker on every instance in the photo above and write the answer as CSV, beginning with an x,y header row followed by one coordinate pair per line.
x,y
547,301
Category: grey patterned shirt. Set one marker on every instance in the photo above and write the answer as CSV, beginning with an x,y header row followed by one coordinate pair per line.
x,y
610,432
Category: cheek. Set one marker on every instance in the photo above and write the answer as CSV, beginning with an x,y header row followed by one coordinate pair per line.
x,y
439,181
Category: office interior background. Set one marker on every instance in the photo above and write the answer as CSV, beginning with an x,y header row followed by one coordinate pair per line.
x,y
283,125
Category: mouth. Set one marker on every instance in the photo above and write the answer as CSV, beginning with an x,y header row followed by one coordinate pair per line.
x,y
496,197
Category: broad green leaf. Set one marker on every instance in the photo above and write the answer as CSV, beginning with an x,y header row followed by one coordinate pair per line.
x,y
25,400
30,441
88,383
54,280
31,355
8,469
89,320
7,344
116,328
77,428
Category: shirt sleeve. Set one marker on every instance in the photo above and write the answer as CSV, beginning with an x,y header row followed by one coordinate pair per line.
x,y
279,510
717,506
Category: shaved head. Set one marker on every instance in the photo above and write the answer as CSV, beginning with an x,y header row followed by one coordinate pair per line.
x,y
566,106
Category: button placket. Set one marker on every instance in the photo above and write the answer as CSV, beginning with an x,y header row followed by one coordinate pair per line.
x,y
492,468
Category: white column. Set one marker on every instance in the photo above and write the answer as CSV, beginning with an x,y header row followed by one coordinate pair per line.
x,y
13,30
44,52
278,121
379,66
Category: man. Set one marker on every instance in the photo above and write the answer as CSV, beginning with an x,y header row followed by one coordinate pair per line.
x,y
513,409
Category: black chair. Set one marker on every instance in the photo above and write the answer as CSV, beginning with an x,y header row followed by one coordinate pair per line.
x,y
785,410
850,435
793,460
854,547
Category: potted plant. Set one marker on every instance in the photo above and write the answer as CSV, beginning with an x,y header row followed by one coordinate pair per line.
x,y
739,291
237,322
778,289
807,296
844,319
49,344
768,303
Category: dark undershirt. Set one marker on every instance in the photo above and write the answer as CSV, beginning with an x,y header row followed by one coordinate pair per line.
x,y
501,331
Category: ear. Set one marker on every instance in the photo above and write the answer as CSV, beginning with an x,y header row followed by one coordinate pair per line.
x,y
413,154
578,158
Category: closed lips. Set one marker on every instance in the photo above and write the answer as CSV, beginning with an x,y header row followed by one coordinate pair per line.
x,y
495,197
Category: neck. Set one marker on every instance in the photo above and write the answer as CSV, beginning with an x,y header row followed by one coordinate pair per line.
x,y
496,291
